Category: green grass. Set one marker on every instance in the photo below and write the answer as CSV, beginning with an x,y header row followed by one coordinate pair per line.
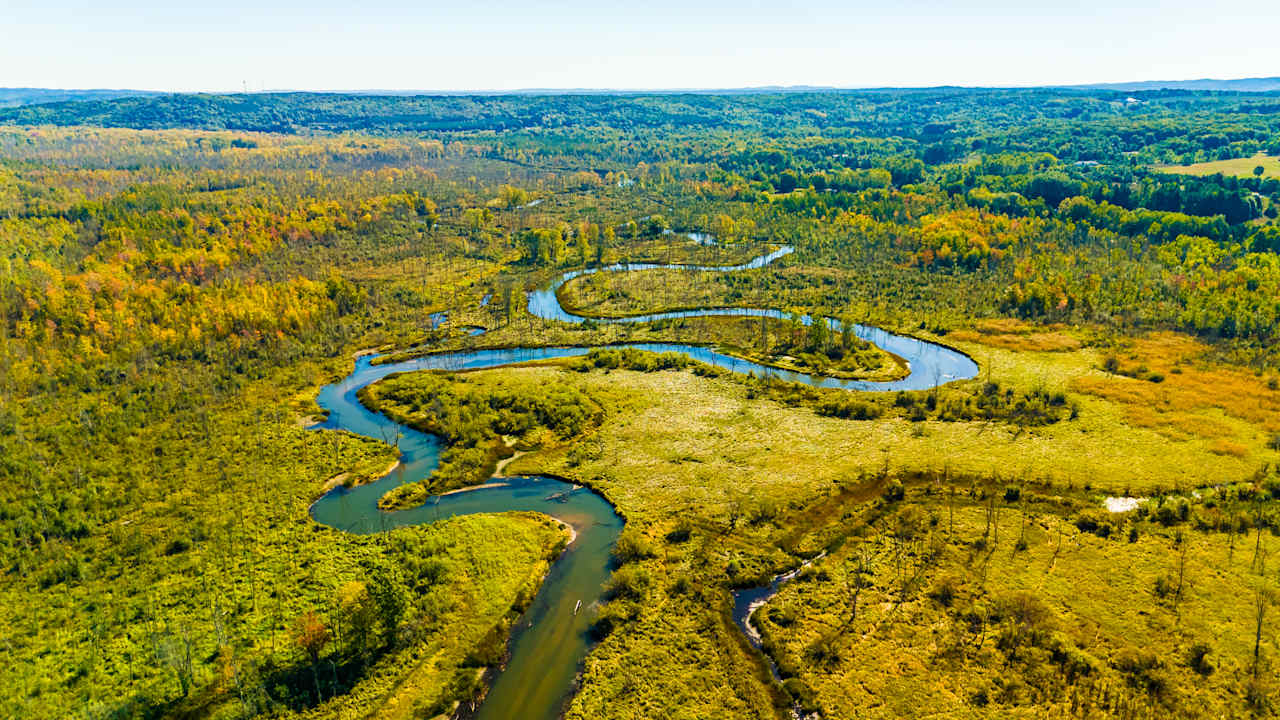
x,y
213,546
1237,167
748,476
482,418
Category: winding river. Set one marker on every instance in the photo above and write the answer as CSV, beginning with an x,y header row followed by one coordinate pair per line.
x,y
553,636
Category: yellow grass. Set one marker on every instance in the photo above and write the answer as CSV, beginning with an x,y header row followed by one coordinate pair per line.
x,y
1012,334
906,651
1190,385
680,448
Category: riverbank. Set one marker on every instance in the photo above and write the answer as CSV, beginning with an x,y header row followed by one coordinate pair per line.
x,y
543,658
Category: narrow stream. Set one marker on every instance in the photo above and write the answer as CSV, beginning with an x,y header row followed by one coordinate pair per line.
x,y
748,600
553,636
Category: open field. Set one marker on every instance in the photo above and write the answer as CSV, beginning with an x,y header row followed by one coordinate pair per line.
x,y
989,607
744,474
1237,167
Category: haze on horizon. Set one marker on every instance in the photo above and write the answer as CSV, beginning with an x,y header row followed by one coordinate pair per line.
x,y
395,45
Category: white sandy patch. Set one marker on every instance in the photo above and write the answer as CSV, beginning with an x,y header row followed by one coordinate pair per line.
x,y
1122,504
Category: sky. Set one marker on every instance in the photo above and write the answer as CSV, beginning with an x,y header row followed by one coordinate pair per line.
x,y
321,45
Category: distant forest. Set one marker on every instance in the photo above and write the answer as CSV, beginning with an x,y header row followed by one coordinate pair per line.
x,y
941,125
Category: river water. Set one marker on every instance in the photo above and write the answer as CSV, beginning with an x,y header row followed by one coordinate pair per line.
x,y
553,636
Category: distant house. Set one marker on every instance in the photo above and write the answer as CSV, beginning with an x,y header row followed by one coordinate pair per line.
x,y
1087,163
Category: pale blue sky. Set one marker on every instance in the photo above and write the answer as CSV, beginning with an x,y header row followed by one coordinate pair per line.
x,y
385,44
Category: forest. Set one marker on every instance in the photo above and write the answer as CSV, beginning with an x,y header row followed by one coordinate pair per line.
x,y
742,320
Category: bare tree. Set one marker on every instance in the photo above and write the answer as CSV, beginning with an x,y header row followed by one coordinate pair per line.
x,y
1262,598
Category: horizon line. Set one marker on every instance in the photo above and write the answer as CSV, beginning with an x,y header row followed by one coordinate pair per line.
x,y
798,87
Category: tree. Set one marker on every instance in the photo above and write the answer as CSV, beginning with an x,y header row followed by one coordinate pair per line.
x,y
476,220
311,635
725,228
391,598
656,225
819,334
847,337
511,197
1263,596
788,181
606,240
357,614
1258,170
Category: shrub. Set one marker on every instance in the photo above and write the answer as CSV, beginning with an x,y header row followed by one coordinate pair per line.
x,y
823,652
492,647
895,491
1074,661
944,591
1143,670
1167,514
1094,522
613,616
629,583
1200,660
632,546
682,532
1272,487
782,617
802,694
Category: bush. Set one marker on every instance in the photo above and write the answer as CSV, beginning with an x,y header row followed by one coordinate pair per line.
x,y
823,652
1096,523
628,583
1171,513
944,591
1144,670
1272,487
1200,660
849,409
802,694
782,617
682,532
492,648
895,491
613,616
632,546
1074,661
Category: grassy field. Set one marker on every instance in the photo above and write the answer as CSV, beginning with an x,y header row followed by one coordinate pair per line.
x,y
1238,167
716,480
932,603
741,471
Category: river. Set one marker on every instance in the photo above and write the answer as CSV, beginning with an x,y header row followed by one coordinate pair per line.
x,y
553,636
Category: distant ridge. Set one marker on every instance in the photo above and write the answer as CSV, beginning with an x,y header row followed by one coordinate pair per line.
x,y
758,90
1266,84
13,97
